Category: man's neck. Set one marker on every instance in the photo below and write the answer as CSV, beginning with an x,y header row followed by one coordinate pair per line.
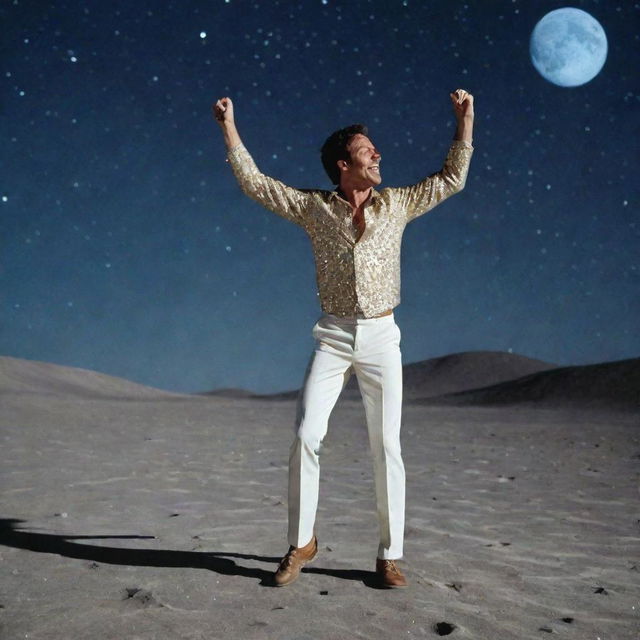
x,y
354,196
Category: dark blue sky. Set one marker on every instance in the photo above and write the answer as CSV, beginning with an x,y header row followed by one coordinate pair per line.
x,y
128,248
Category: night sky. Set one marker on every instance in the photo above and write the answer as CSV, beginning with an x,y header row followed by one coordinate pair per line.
x,y
128,248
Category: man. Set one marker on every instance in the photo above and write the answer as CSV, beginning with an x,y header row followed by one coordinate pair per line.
x,y
356,234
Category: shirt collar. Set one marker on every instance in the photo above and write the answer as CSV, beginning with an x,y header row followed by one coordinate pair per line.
x,y
374,195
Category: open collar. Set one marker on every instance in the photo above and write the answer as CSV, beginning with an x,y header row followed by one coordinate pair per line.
x,y
373,196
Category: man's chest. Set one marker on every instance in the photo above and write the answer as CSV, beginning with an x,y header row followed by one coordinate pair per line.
x,y
348,227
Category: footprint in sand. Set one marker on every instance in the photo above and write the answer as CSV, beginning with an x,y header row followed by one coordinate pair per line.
x,y
139,597
444,628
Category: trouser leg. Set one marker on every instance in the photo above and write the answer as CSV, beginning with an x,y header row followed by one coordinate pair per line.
x,y
379,373
326,376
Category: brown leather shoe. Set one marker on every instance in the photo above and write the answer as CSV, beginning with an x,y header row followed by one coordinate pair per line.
x,y
296,558
389,574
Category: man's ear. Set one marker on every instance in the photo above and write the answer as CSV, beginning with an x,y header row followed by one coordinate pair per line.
x,y
343,165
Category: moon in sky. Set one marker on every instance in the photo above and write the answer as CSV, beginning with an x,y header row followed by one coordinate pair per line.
x,y
568,47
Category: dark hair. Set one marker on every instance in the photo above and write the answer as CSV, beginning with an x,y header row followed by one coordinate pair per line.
x,y
335,148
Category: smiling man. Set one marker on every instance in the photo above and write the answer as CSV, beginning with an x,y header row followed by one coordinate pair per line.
x,y
356,233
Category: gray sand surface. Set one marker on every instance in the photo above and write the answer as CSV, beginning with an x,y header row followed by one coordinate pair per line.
x,y
139,514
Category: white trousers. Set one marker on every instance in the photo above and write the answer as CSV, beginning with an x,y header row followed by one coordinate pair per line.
x,y
371,348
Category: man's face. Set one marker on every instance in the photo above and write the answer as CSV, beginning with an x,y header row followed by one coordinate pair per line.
x,y
363,170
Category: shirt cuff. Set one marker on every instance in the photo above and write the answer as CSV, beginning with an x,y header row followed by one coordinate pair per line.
x,y
461,143
234,150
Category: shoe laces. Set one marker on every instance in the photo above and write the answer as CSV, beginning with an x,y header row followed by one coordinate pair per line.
x,y
286,561
391,565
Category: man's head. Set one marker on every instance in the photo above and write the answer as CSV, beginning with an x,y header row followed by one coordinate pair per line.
x,y
349,155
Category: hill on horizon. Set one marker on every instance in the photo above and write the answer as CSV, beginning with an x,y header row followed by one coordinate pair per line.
x,y
469,378
18,375
436,376
611,385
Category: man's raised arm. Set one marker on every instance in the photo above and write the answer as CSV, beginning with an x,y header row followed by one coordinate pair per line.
x,y
426,194
290,203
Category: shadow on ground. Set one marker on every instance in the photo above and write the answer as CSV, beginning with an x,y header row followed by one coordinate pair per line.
x,y
13,535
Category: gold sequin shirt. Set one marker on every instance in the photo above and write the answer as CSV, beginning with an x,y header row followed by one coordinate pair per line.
x,y
355,276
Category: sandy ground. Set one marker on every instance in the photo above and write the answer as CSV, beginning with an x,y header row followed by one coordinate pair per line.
x,y
133,513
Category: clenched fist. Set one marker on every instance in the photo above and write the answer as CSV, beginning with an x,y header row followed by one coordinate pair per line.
x,y
223,111
462,103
